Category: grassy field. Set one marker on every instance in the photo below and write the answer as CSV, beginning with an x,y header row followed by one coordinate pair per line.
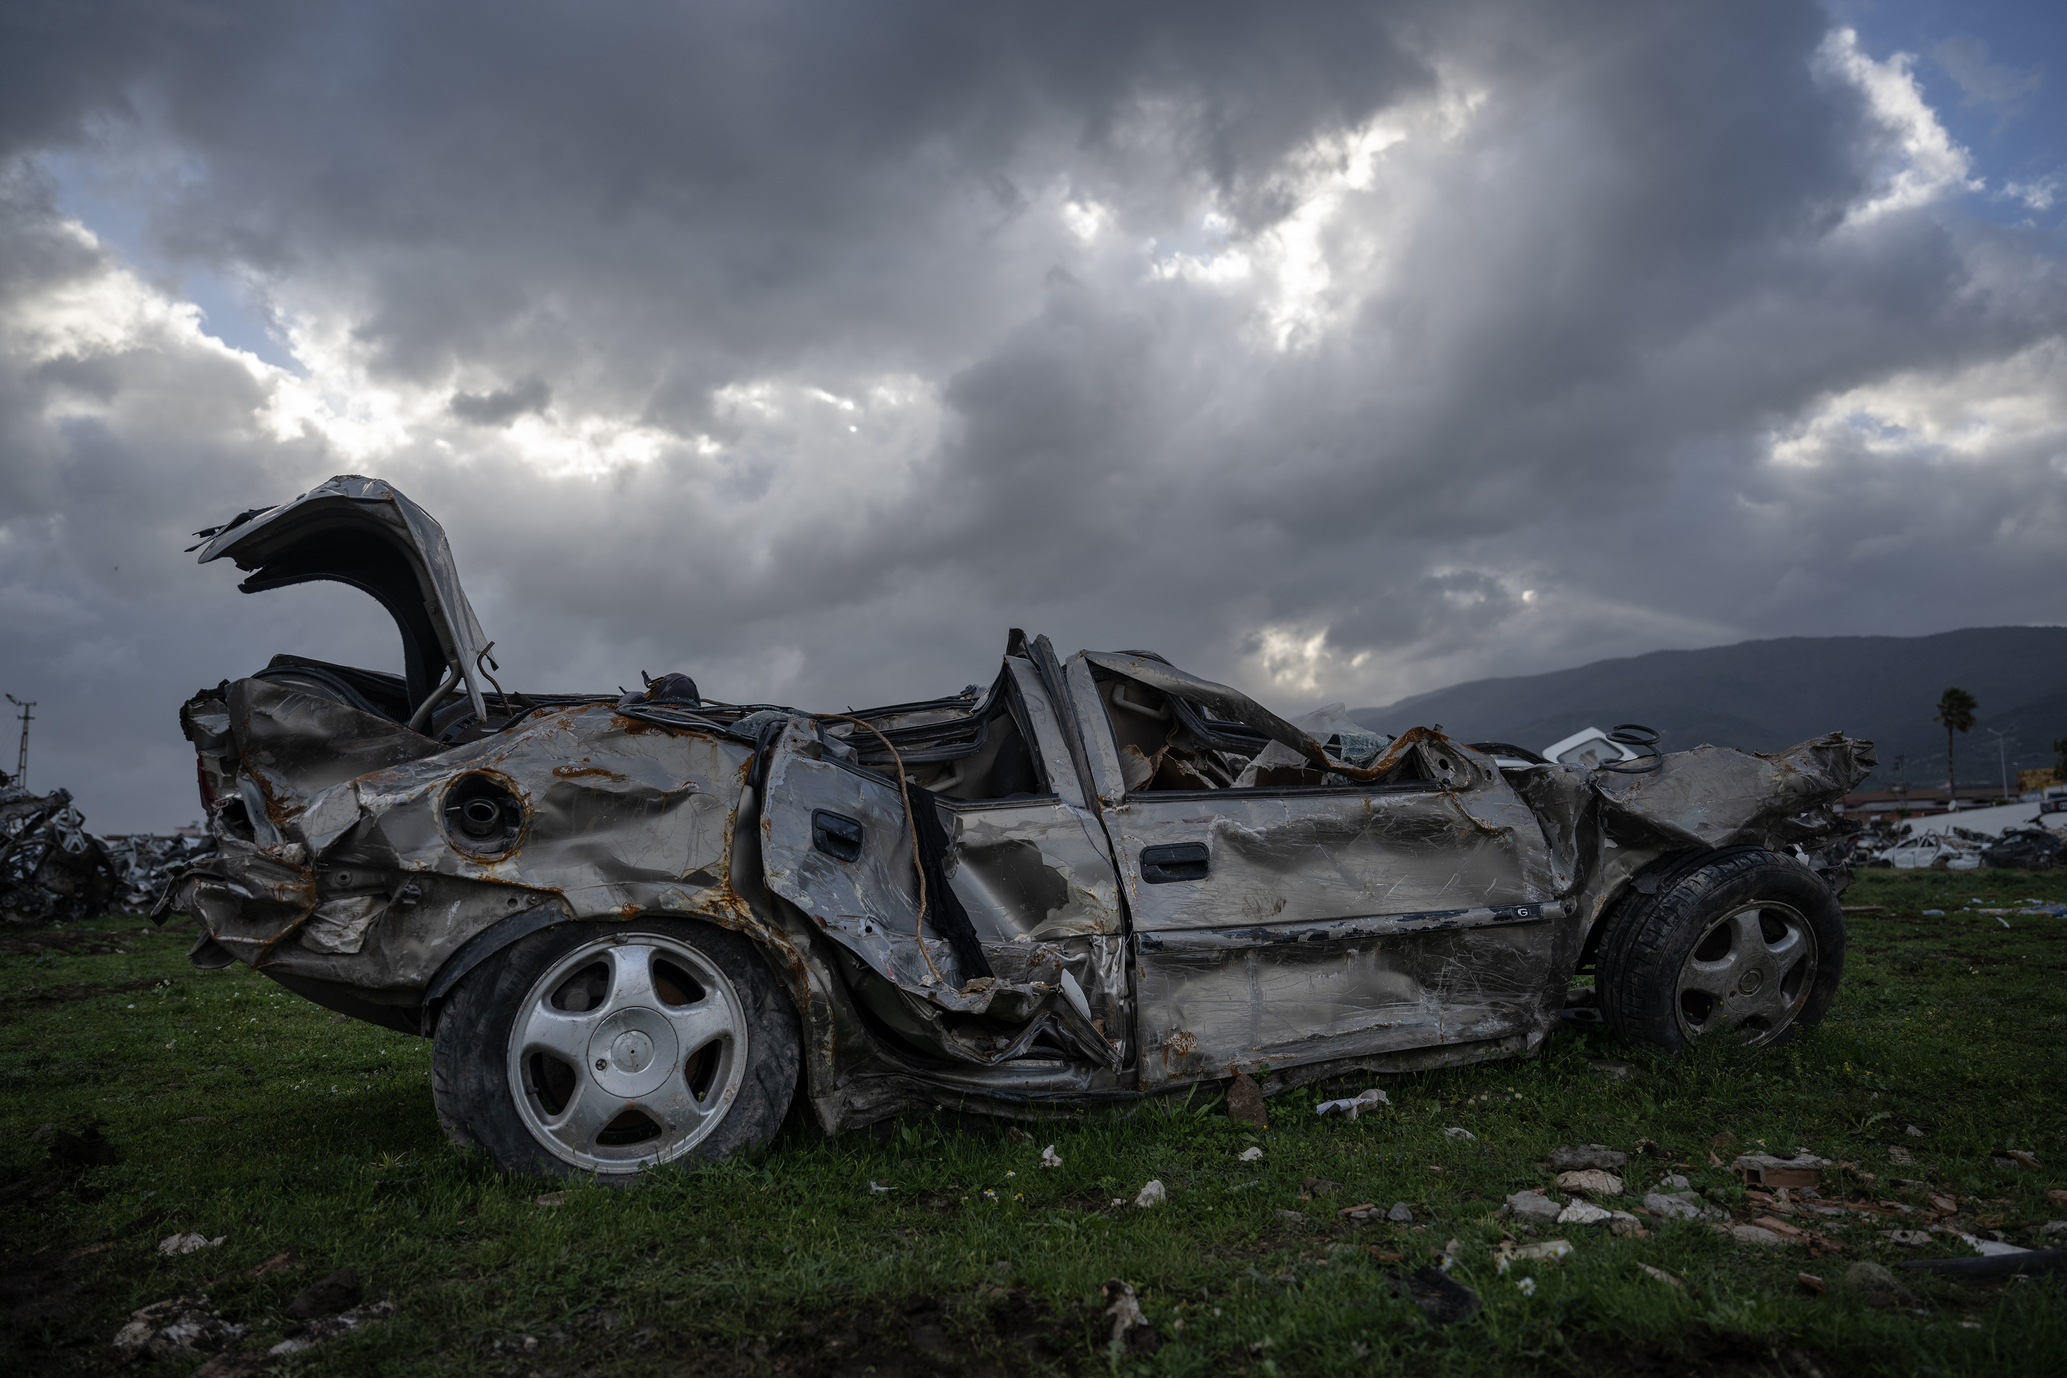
x,y
307,1143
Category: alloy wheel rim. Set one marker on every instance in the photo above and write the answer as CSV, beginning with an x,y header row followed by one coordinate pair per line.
x,y
1750,974
627,1052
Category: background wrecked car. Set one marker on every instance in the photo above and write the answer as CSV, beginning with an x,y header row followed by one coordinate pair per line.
x,y
637,926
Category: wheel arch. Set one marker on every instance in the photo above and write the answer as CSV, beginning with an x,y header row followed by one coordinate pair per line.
x,y
782,958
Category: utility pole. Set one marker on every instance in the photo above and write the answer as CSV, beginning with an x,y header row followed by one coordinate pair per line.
x,y
21,759
2001,757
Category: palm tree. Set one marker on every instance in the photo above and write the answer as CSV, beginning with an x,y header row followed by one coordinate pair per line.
x,y
1956,711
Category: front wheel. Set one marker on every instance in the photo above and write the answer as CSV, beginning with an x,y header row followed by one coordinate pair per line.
x,y
598,1048
1741,943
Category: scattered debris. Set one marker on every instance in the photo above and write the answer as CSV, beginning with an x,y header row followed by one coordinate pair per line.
x,y
1048,1158
330,1327
1152,1195
1611,1069
1570,1159
1913,1132
2021,1158
1459,1132
1810,1282
1582,1213
1533,1205
1399,1214
1360,1215
182,1325
1443,1299
876,1188
340,1291
1245,1101
1131,1333
1908,1239
1771,1170
1591,1182
174,1245
555,1198
1550,1251
1249,1154
1899,1156
1353,1105
1661,1275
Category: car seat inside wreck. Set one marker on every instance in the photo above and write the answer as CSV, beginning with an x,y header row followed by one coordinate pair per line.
x,y
638,925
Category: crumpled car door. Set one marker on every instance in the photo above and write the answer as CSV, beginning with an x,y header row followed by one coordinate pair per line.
x,y
1279,926
1031,874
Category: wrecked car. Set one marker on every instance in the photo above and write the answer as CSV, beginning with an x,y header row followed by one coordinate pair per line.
x,y
637,926
51,869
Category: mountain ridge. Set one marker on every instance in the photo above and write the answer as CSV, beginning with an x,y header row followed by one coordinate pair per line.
x,y
1769,694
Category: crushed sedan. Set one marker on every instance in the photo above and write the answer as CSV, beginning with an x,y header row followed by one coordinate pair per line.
x,y
637,927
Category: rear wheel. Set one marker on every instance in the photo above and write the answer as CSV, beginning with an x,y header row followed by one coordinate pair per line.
x,y
596,1048
1743,943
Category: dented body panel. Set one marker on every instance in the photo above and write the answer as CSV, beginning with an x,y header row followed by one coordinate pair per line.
x,y
1100,878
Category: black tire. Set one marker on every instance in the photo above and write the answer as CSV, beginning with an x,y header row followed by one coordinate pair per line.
x,y
500,1098
1741,940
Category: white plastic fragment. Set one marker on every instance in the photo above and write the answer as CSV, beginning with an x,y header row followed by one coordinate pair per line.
x,y
1048,1158
1459,1132
1353,1105
174,1245
1152,1195
874,1186
1550,1250
1250,1154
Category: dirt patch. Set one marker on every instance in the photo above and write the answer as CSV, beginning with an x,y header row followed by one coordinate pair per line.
x,y
73,942
61,995
995,1333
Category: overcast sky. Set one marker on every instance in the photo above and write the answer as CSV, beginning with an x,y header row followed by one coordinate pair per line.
x,y
1337,351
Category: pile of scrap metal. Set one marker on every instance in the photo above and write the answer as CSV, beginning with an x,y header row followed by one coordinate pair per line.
x,y
635,925
54,871
51,869
145,863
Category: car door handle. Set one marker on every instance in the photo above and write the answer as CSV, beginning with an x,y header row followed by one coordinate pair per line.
x,y
1174,861
836,835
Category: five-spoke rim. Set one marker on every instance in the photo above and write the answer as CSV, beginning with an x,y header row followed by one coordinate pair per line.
x,y
1749,975
627,1052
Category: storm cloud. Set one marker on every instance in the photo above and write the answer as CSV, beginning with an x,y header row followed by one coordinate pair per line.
x,y
1336,351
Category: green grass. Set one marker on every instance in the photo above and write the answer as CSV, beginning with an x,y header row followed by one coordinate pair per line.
x,y
238,1110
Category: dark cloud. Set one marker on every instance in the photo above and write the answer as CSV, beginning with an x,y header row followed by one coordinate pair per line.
x,y
1335,351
